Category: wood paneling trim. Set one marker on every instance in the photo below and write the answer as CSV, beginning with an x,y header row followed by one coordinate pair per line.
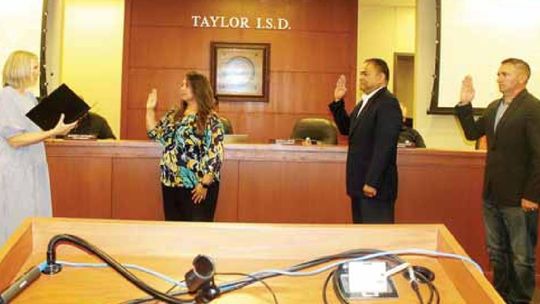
x,y
102,148
147,148
15,251
128,7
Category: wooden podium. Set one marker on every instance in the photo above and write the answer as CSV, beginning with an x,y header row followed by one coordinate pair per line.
x,y
170,248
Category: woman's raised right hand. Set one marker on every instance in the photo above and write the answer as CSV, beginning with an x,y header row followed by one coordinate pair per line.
x,y
151,102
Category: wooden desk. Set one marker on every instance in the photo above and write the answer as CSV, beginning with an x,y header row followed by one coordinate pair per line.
x,y
269,183
260,183
170,247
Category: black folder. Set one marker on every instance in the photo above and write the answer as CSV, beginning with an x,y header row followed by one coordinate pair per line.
x,y
62,100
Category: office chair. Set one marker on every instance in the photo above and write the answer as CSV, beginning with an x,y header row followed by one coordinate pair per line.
x,y
227,125
320,129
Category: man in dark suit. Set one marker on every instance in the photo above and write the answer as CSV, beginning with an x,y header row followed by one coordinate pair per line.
x,y
373,128
512,177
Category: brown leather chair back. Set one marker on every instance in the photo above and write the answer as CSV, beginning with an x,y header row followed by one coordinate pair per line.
x,y
320,129
227,125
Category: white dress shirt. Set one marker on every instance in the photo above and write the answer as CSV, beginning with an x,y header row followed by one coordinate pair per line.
x,y
366,98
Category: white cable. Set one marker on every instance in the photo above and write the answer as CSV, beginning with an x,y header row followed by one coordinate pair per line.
x,y
412,276
424,252
130,266
398,268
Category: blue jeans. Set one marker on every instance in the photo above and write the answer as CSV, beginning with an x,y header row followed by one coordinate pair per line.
x,y
511,235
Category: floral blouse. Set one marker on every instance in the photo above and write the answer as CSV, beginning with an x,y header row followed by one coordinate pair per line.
x,y
187,156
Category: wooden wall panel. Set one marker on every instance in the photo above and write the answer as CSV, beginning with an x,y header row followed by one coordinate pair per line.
x,y
167,82
260,126
262,121
136,127
80,186
161,45
227,209
136,189
439,191
290,51
308,88
265,126
293,192
420,202
310,15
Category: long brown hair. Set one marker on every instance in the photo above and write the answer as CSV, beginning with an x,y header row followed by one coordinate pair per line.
x,y
204,96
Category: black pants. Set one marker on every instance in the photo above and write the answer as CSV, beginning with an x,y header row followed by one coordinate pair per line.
x,y
372,211
179,206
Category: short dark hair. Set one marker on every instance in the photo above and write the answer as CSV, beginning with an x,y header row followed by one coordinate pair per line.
x,y
381,66
520,64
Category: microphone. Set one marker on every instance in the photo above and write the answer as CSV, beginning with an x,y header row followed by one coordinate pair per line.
x,y
18,286
201,274
200,280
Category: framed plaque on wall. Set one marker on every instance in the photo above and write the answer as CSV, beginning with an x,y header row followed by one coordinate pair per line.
x,y
240,71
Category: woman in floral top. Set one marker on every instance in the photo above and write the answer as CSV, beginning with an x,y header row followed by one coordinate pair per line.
x,y
192,140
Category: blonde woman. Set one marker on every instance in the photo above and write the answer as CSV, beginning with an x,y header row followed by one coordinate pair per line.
x,y
24,175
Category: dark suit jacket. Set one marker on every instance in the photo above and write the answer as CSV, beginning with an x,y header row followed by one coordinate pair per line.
x,y
371,158
513,154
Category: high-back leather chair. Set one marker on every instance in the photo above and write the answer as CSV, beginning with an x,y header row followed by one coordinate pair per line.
x,y
320,129
227,125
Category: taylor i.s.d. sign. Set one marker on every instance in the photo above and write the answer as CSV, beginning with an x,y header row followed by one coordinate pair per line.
x,y
260,23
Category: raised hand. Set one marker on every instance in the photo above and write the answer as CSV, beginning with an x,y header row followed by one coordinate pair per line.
x,y
340,89
467,90
151,102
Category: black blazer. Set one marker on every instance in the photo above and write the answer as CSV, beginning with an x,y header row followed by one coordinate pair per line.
x,y
373,136
513,155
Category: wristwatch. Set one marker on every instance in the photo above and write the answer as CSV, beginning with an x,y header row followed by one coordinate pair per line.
x,y
205,186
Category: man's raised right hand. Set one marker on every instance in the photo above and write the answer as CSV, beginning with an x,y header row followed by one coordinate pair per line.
x,y
340,89
467,91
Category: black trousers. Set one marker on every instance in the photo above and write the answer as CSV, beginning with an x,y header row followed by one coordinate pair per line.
x,y
372,211
179,206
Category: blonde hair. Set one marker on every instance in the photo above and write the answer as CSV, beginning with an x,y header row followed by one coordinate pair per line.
x,y
18,69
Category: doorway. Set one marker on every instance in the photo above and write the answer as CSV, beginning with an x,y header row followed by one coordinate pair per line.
x,y
404,81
